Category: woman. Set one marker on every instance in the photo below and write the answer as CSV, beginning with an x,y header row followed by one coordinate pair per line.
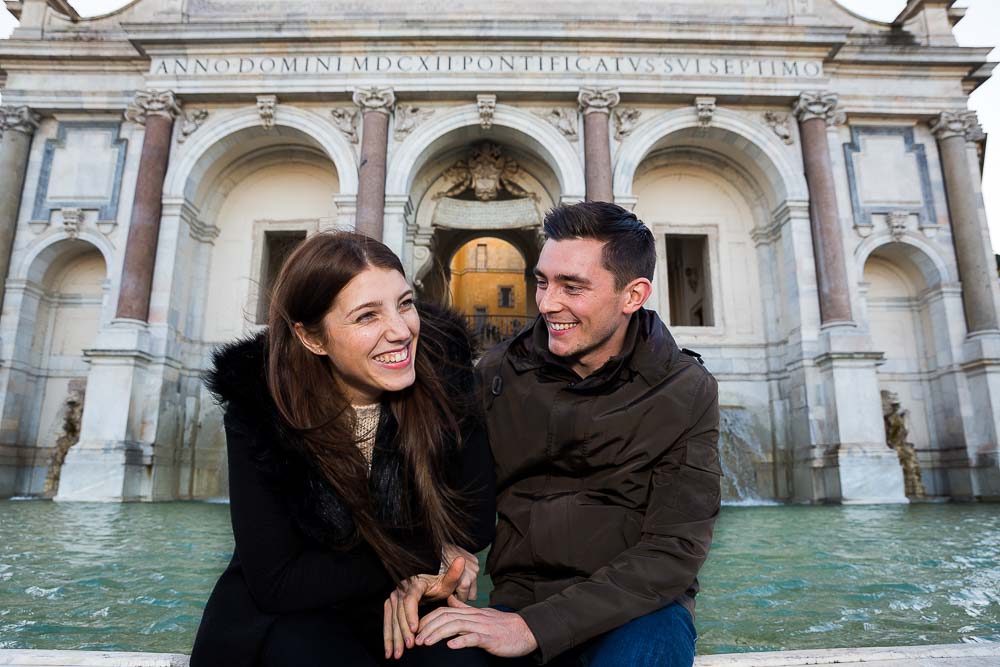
x,y
348,469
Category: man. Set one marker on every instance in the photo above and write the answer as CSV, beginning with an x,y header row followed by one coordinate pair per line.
x,y
608,480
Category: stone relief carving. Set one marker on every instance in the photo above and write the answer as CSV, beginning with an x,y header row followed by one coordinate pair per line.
x,y
153,103
705,107
819,104
18,119
191,122
957,123
563,120
780,124
897,222
72,221
487,106
346,122
487,172
375,99
408,117
625,122
267,106
598,100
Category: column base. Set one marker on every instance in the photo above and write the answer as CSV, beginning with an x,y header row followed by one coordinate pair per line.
x,y
106,472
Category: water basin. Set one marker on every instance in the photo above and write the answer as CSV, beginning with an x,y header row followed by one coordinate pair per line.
x,y
135,577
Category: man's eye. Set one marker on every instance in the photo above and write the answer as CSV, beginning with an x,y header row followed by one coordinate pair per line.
x,y
573,289
542,284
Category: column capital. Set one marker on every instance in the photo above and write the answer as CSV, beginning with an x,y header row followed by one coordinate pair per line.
x,y
153,103
598,100
380,100
18,119
950,124
818,104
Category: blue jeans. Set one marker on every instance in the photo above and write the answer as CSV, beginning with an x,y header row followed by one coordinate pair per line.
x,y
663,638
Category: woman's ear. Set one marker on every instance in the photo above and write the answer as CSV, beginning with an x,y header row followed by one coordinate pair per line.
x,y
308,341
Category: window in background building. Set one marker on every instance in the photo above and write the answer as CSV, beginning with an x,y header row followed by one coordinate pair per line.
x,y
506,293
278,245
688,284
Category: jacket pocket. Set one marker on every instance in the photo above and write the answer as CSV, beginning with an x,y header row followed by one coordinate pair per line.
x,y
579,538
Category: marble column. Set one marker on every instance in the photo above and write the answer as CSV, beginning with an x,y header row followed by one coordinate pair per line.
x,y
596,105
815,112
157,111
376,106
976,268
17,125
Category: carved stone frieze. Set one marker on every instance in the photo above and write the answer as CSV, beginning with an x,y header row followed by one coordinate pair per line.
x,y
153,103
267,106
705,106
408,116
487,172
598,100
346,122
819,104
625,122
487,106
192,120
380,100
563,120
18,119
957,123
780,124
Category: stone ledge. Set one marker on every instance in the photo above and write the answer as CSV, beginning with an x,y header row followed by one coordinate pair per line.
x,y
945,655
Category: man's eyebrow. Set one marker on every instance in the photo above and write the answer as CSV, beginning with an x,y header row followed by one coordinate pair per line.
x,y
370,304
572,278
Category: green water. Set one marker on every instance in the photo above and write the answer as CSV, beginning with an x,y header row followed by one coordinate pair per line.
x,y
136,577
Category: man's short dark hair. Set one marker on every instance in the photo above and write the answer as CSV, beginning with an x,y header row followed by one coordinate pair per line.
x,y
629,250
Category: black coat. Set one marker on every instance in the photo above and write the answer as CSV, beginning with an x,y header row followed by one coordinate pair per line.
x,y
296,549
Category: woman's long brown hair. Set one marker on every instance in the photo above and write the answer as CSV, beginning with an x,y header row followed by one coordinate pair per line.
x,y
309,396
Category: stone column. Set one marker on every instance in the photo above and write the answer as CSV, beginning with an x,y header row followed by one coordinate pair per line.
x,y
596,105
376,106
975,264
816,111
17,125
157,111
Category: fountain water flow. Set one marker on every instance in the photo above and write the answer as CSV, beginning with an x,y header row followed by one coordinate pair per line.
x,y
739,450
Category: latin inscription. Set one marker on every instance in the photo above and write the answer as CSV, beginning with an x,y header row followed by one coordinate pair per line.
x,y
638,65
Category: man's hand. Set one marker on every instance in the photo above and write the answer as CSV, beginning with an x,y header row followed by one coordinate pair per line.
x,y
499,633
400,618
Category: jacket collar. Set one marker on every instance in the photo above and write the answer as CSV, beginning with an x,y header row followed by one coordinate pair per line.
x,y
649,351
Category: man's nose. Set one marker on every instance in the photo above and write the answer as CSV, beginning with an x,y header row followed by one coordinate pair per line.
x,y
547,302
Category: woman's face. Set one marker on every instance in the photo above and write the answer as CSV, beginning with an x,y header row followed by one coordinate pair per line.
x,y
371,335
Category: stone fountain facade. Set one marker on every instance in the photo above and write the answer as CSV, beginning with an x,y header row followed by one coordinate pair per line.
x,y
812,178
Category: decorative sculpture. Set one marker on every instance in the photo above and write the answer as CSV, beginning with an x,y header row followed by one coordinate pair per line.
x,y
895,435
486,172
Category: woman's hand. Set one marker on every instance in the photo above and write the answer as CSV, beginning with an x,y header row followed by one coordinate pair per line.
x,y
400,616
467,588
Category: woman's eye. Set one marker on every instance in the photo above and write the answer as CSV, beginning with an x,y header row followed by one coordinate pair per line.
x,y
364,317
406,304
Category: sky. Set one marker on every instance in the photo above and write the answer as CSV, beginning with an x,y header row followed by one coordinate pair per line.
x,y
981,27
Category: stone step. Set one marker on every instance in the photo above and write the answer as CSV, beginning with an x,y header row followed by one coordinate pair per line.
x,y
947,655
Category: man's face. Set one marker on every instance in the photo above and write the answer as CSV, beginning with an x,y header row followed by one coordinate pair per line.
x,y
584,314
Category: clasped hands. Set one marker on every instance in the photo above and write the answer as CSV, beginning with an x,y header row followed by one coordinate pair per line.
x,y
499,633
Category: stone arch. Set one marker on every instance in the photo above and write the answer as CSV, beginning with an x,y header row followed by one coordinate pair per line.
x,y
58,247
221,134
441,133
910,249
752,145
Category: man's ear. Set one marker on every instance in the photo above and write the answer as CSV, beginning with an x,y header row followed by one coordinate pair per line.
x,y
637,293
308,341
